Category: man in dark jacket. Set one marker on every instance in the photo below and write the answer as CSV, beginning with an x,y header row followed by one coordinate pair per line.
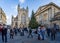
x,y
53,32
30,33
11,33
48,31
4,33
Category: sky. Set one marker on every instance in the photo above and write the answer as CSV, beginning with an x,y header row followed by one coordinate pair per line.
x,y
10,6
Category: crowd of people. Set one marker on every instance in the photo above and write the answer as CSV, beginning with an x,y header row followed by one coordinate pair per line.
x,y
41,31
12,32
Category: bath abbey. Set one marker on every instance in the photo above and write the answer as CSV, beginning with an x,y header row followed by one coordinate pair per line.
x,y
22,19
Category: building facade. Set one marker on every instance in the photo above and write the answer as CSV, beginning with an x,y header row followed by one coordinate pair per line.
x,y
56,19
45,13
21,20
2,17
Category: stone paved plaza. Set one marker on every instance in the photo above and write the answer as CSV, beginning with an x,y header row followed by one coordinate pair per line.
x,y
24,39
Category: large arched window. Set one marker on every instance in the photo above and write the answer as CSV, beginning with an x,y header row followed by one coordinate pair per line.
x,y
23,18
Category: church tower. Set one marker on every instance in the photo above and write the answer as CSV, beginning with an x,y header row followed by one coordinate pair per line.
x,y
27,8
19,15
27,18
12,19
18,8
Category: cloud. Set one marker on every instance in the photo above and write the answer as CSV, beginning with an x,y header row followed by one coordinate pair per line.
x,y
21,1
8,20
15,8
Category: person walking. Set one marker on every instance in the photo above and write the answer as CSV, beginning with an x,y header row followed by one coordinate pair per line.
x,y
48,31
4,33
42,30
15,30
53,33
22,32
39,33
30,33
11,33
